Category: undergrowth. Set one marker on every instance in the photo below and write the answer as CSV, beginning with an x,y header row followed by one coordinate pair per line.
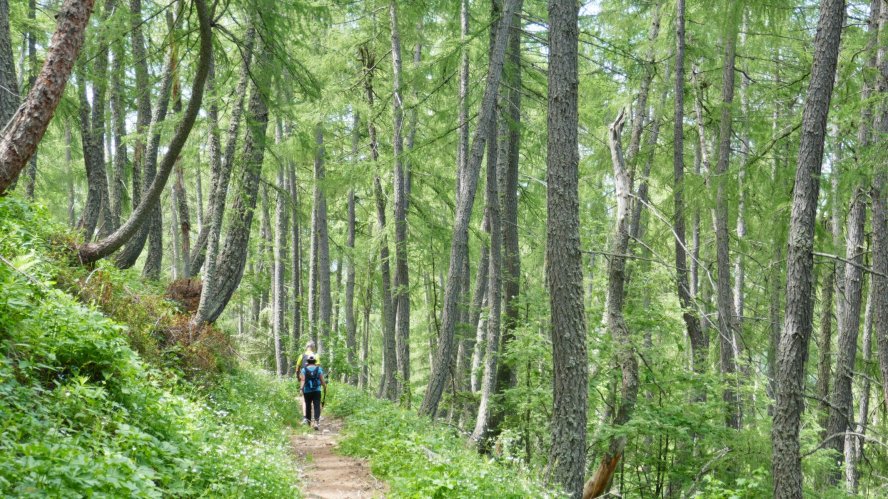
x,y
420,458
83,414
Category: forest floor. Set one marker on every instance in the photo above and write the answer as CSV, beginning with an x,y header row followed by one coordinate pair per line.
x,y
326,474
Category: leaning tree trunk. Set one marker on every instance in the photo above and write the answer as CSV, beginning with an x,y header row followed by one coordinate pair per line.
x,y
24,130
136,243
841,404
92,252
9,97
401,294
127,258
219,286
466,199
508,157
564,274
793,348
221,162
616,323
498,133
692,322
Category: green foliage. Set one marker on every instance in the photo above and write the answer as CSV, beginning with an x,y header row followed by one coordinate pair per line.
x,y
82,415
420,458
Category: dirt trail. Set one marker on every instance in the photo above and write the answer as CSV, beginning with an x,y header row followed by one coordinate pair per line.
x,y
326,474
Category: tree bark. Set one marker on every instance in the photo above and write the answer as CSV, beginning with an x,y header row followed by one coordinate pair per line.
x,y
616,323
793,347
296,265
564,275
727,315
127,257
508,190
118,119
136,243
281,222
221,162
32,74
854,443
9,91
323,254
692,322
841,404
880,219
824,359
466,199
92,252
401,294
228,270
351,344
498,135
388,387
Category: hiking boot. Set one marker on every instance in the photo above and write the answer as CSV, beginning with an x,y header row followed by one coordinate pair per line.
x,y
317,425
305,421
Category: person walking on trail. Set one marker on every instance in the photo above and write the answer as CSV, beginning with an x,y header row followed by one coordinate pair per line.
x,y
309,350
311,381
301,363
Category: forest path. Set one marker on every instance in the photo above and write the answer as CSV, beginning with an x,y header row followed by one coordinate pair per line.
x,y
328,475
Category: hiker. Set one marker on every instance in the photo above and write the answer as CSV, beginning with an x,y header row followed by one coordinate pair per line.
x,y
301,363
311,380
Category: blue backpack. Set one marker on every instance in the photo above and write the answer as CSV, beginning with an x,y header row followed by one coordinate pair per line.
x,y
312,379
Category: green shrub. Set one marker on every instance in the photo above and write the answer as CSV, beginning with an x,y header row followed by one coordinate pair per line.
x,y
420,458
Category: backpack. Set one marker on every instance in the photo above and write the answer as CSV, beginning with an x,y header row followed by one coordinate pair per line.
x,y
312,379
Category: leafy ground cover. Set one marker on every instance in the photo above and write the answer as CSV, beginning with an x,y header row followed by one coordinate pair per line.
x,y
82,413
420,458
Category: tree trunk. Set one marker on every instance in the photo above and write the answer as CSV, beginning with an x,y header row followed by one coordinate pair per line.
x,y
692,322
9,97
880,221
401,294
351,344
91,252
296,264
616,323
32,74
323,254
281,222
72,218
176,269
388,387
222,162
824,359
118,119
219,286
727,323
564,275
841,404
508,190
854,443
793,348
127,257
466,199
